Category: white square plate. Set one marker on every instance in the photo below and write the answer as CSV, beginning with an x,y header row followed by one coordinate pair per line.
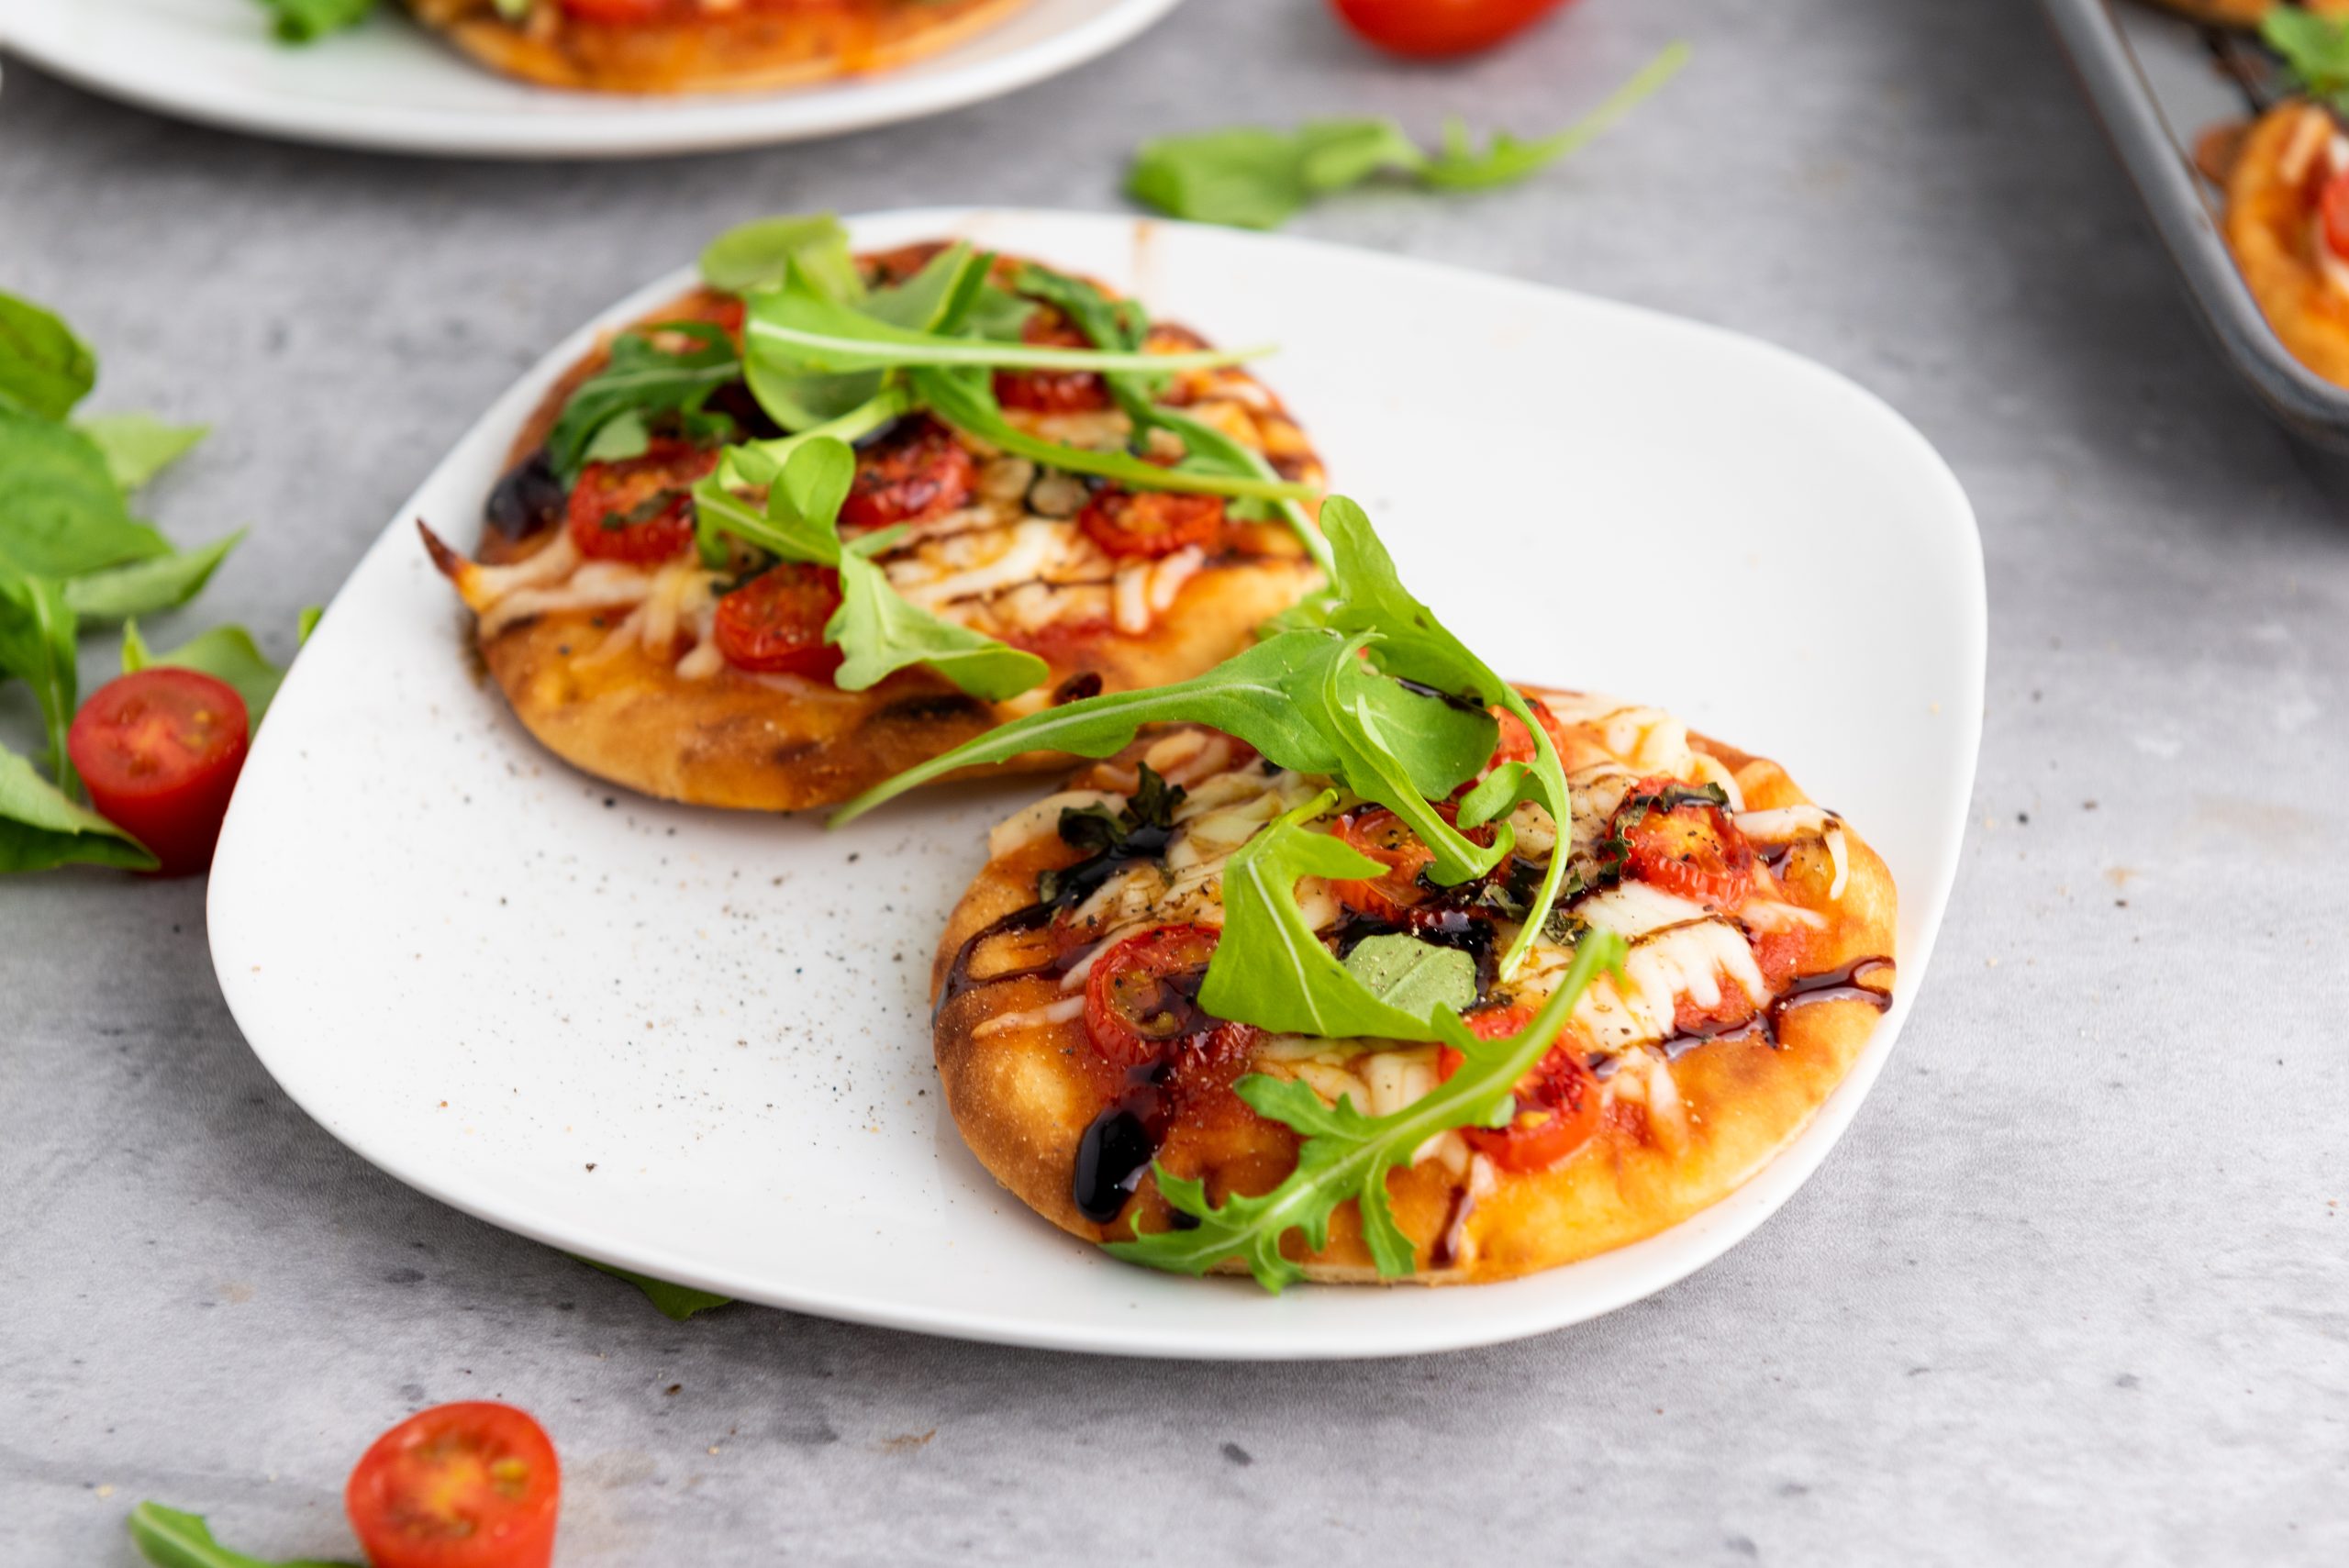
x,y
695,1044
391,85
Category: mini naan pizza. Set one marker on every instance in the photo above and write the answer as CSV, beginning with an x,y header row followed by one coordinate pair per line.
x,y
1008,537
1084,1067
2287,225
703,46
2248,13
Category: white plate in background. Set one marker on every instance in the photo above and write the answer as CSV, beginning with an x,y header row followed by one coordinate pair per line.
x,y
390,85
695,1044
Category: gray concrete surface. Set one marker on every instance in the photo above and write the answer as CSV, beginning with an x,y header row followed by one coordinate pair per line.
x,y
2075,1288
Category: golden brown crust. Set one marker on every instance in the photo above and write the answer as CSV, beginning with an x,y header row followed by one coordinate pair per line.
x,y
2271,227
779,743
745,50
1023,1095
2244,13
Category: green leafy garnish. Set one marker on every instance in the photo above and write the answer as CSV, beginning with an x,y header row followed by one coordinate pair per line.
x,y
169,1539
1347,1155
45,369
767,250
643,382
62,512
1252,177
878,631
138,447
37,628
306,21
674,1302
2315,51
1413,974
145,587
226,653
40,827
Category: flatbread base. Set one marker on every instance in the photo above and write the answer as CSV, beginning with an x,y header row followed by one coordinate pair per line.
x,y
2271,228
1023,1097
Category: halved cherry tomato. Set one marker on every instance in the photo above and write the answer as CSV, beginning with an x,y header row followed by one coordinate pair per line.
x,y
1690,848
1052,392
1388,840
1434,28
1142,997
775,623
2333,202
1150,522
468,1486
1557,1103
1516,743
159,750
920,469
639,509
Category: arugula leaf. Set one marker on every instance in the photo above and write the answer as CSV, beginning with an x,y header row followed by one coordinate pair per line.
x,y
643,379
1253,177
1271,968
144,588
308,623
60,511
36,643
41,827
1347,1155
876,629
764,252
45,370
138,447
1414,975
799,399
674,1302
306,21
169,1539
2315,49
226,653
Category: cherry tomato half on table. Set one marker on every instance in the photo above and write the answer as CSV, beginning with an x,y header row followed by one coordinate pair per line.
x,y
1142,996
775,623
159,750
466,1486
639,509
1558,1103
1432,29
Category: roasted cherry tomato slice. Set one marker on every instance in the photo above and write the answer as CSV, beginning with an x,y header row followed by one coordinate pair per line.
x,y
1152,522
639,509
1142,999
918,470
470,1485
1052,392
1388,840
1434,28
1516,743
775,623
159,750
2332,202
1558,1103
1690,848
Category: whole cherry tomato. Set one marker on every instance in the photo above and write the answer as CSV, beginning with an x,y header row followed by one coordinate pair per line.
x,y
159,750
775,623
468,1486
1432,29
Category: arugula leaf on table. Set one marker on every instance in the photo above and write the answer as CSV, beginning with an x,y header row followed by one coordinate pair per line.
x,y
306,21
37,628
674,1302
877,630
1271,968
1254,177
45,369
645,380
1347,1155
144,588
61,514
138,447
2315,51
41,827
226,653
765,252
169,1539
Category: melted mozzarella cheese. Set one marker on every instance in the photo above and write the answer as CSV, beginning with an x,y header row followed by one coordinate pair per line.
x,y
1042,821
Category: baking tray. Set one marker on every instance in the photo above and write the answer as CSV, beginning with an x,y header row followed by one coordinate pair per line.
x,y
2158,81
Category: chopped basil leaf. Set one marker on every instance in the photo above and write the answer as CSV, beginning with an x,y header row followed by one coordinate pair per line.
x,y
1112,840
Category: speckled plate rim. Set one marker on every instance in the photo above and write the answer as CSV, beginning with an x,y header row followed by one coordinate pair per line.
x,y
217,70
1219,1320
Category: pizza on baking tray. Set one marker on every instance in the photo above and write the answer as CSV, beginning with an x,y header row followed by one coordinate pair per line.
x,y
1349,962
828,516
703,46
